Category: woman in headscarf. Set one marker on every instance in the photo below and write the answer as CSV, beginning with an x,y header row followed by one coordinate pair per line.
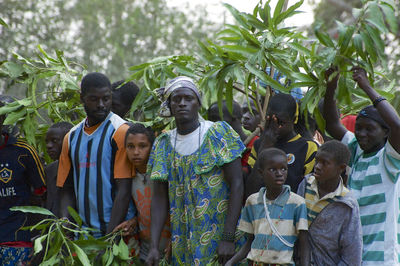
x,y
196,174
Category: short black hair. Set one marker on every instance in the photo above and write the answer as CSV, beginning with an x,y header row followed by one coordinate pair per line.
x,y
236,109
64,126
339,151
94,80
126,92
138,128
282,102
266,154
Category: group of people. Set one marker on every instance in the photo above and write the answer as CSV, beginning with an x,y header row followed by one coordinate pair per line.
x,y
197,193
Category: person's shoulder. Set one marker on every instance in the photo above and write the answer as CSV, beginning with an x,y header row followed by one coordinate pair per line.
x,y
22,144
295,199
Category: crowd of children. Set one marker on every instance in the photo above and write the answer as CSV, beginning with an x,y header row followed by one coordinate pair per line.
x,y
195,187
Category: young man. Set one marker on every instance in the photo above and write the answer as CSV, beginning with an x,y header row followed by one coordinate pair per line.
x,y
334,230
54,139
279,132
196,175
375,161
274,218
94,172
21,173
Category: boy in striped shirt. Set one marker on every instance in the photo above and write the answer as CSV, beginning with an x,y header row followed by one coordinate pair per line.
x,y
334,227
375,163
274,218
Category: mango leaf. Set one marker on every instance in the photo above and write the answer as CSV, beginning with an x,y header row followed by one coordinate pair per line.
x,y
14,70
75,216
323,37
390,17
237,15
123,250
344,43
32,209
358,45
369,46
81,255
38,244
265,78
2,22
291,11
375,16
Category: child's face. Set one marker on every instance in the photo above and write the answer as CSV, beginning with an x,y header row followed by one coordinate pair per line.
x,y
54,140
274,172
138,149
326,169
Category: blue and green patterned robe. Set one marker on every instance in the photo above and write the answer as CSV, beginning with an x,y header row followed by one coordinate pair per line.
x,y
198,193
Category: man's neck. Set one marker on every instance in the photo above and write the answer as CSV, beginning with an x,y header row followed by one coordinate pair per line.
x,y
327,187
187,127
287,137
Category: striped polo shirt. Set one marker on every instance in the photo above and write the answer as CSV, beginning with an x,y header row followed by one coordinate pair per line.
x,y
314,203
374,183
91,158
289,215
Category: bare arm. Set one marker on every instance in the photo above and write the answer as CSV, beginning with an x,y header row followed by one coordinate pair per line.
x,y
159,214
242,253
121,202
330,114
304,248
67,198
385,109
233,176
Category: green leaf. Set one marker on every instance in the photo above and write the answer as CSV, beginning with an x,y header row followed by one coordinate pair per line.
x,y
390,17
115,250
346,39
265,78
358,44
377,40
229,95
245,50
369,46
81,255
38,244
237,15
375,16
278,8
32,209
13,117
75,216
291,11
300,48
123,250
14,70
323,37
2,22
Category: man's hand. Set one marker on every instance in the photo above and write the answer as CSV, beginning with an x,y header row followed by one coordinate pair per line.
x,y
154,257
360,76
127,227
332,77
225,251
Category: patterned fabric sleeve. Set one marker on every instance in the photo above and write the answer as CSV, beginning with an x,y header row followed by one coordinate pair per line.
x,y
221,145
158,164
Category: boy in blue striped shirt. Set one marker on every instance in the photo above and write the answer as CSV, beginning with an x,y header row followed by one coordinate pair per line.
x,y
274,218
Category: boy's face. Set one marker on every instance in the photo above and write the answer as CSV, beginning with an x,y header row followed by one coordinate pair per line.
x,y
251,118
54,140
274,172
138,149
285,123
326,168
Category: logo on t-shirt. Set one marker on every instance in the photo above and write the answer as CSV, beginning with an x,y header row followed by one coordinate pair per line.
x,y
5,173
290,158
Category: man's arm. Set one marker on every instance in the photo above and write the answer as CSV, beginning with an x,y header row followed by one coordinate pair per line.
x,y
330,114
242,253
67,198
159,214
385,109
304,248
121,202
233,176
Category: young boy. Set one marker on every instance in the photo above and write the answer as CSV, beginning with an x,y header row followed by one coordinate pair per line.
x,y
279,132
334,231
274,218
54,139
138,142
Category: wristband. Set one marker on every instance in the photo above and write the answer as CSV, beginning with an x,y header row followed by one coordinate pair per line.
x,y
228,236
378,100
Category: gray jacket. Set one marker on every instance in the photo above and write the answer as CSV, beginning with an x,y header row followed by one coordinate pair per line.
x,y
335,235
